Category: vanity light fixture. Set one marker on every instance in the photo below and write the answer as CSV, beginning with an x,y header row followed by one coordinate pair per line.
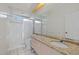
x,y
37,22
27,20
3,16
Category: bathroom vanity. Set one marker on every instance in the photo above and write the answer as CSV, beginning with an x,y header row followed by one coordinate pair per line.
x,y
47,46
41,48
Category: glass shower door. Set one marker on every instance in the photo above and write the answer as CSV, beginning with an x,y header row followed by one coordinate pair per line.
x,y
15,29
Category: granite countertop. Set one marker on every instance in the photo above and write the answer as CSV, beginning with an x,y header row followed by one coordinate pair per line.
x,y
72,49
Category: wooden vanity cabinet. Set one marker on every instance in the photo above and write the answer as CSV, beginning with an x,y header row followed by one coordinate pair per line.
x,y
42,49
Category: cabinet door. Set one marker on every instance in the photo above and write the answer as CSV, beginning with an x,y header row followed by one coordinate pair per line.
x,y
72,26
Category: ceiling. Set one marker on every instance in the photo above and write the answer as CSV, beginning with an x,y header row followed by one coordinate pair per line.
x,y
17,8
23,8
26,8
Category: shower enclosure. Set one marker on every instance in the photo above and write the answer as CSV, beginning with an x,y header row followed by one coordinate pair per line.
x,y
15,32
40,25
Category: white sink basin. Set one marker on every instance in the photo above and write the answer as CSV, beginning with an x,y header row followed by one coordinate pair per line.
x,y
58,44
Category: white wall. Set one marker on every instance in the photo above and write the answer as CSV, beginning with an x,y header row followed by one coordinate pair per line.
x,y
3,40
56,16
56,19
55,24
71,25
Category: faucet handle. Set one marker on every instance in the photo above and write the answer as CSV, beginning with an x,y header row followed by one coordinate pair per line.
x,y
61,40
66,32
